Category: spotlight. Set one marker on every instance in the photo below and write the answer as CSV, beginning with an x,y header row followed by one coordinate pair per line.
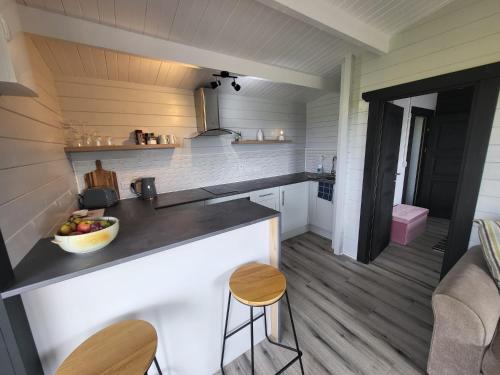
x,y
235,85
224,74
214,84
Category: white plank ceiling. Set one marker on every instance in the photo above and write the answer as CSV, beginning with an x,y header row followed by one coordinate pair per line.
x,y
390,16
67,59
243,28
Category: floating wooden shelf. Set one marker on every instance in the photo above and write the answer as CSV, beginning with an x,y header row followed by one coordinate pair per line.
x,y
117,148
255,142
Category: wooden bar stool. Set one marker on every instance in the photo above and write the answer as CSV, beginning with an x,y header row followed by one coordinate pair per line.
x,y
259,285
126,348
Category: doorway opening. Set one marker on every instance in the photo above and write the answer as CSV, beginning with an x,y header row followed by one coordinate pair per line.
x,y
442,168
432,153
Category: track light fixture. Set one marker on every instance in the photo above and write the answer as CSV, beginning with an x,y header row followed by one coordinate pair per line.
x,y
236,86
224,74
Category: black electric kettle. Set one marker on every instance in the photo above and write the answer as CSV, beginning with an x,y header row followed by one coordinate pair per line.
x,y
144,187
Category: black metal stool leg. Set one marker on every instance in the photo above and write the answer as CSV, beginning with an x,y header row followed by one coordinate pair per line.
x,y
294,333
157,366
296,350
225,334
251,338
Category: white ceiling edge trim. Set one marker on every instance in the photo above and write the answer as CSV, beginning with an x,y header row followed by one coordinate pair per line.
x,y
327,17
9,14
53,25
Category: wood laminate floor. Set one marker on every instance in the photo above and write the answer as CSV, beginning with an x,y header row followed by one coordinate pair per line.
x,y
353,318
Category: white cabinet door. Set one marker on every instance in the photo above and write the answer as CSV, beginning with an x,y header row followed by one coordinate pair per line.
x,y
266,197
320,212
313,196
294,209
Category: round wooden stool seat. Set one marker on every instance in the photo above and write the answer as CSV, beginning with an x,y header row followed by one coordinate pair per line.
x,y
257,284
127,347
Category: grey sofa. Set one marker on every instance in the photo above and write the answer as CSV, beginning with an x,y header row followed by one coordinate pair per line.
x,y
466,306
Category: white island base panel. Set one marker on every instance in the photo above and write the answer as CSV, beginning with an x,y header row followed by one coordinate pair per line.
x,y
182,291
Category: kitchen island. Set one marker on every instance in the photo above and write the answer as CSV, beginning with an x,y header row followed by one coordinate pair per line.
x,y
167,266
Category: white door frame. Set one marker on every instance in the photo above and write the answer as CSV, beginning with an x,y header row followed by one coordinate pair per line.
x,y
341,167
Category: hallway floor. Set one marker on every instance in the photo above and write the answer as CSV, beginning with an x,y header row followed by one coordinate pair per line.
x,y
353,318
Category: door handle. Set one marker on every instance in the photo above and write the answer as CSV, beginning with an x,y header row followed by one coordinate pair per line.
x,y
265,195
283,198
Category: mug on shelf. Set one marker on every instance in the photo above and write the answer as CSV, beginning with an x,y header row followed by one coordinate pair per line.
x,y
162,139
171,139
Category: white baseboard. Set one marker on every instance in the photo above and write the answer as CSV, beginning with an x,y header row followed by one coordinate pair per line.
x,y
320,231
307,228
295,232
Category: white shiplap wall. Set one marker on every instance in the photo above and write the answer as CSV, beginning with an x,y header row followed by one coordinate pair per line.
x,y
488,205
322,129
38,185
460,36
117,108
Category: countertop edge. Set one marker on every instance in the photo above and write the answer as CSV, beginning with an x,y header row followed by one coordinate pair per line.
x,y
300,177
17,291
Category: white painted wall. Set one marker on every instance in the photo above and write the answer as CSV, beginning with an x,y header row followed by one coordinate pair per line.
x,y
116,109
174,290
414,157
462,35
321,142
423,101
322,129
488,205
38,185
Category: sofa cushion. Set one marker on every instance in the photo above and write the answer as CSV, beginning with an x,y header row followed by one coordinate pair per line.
x,y
491,361
489,234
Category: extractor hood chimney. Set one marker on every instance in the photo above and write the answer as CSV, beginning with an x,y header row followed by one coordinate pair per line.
x,y
206,103
16,77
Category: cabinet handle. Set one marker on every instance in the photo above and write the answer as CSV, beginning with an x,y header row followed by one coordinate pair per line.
x,y
283,198
265,195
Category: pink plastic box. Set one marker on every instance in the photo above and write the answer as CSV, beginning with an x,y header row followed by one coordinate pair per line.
x,y
408,222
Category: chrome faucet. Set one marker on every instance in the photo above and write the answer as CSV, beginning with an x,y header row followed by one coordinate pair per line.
x,y
334,160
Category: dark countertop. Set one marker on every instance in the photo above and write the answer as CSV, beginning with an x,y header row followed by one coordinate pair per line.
x,y
224,190
143,231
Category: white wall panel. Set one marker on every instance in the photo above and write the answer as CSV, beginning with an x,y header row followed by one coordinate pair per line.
x,y
116,109
38,185
322,129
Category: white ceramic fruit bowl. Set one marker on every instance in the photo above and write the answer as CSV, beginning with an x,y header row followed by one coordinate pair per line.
x,y
89,242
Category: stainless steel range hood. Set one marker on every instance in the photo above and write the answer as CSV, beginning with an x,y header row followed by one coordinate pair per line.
x,y
206,103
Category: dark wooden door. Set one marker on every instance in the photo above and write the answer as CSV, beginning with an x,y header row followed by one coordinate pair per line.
x,y
443,152
386,180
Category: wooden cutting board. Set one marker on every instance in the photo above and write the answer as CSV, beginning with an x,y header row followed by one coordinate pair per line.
x,y
102,178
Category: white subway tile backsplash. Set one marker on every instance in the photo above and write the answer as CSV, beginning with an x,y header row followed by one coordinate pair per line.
x,y
181,170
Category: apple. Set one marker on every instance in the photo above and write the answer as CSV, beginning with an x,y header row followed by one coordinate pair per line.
x,y
83,227
65,229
